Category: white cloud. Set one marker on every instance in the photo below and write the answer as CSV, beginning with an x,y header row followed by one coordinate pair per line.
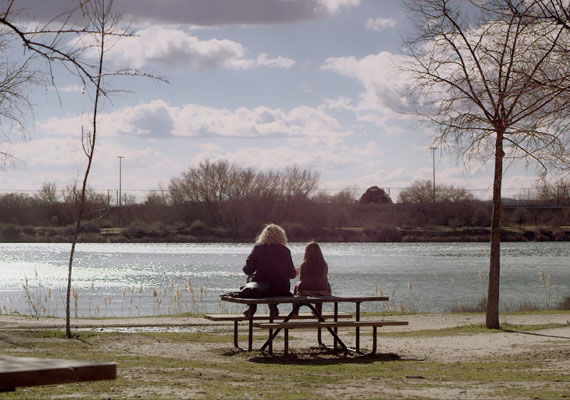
x,y
387,87
157,119
72,89
340,103
174,48
312,157
280,62
333,6
171,47
379,24
62,161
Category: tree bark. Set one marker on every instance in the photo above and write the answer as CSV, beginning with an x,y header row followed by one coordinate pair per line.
x,y
492,317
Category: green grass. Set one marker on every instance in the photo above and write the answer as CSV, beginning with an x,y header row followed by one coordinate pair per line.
x,y
228,373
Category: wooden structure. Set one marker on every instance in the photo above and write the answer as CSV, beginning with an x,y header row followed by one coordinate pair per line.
x,y
320,323
27,371
237,318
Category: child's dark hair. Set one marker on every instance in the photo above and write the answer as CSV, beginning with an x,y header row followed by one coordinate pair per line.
x,y
314,255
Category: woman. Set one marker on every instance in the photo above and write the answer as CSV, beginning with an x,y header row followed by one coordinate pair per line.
x,y
270,265
313,273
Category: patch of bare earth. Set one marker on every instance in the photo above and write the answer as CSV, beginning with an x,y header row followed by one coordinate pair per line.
x,y
549,349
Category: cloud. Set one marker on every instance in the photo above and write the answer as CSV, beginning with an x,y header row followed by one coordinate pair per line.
x,y
61,160
333,6
280,62
174,48
201,12
306,156
387,88
157,119
379,24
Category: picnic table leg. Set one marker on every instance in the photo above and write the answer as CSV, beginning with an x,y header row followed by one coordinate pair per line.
x,y
236,334
271,331
276,332
250,339
319,332
286,350
374,340
335,319
358,328
332,331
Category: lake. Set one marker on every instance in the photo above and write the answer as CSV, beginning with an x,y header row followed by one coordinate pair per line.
x,y
144,279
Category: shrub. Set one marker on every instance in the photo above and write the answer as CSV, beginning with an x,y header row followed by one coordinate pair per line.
x,y
198,228
384,234
10,233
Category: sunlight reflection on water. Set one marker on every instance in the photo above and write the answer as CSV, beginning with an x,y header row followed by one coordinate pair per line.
x,y
145,279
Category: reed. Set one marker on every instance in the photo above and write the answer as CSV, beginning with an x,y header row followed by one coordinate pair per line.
x,y
138,300
547,284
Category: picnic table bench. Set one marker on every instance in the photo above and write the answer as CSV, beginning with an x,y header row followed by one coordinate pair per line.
x,y
29,371
333,324
320,323
237,318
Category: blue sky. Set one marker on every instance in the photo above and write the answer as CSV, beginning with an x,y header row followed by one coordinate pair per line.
x,y
260,83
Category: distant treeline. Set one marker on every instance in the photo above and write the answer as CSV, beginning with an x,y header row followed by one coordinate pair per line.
x,y
222,202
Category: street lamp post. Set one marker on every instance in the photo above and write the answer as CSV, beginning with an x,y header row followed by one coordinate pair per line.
x,y
120,178
433,162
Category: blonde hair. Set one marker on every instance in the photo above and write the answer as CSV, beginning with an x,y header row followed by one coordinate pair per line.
x,y
272,234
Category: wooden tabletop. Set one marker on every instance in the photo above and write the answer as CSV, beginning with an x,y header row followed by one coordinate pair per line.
x,y
27,371
303,299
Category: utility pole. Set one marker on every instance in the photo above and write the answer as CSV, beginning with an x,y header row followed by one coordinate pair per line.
x,y
120,186
433,162
120,178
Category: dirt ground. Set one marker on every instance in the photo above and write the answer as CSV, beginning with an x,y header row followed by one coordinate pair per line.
x,y
551,345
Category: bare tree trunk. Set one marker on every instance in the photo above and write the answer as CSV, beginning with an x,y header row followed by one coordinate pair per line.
x,y
89,148
492,318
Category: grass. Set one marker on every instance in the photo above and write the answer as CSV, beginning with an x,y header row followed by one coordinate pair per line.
x,y
226,373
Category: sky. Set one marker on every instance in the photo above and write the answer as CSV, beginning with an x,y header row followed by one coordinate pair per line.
x,y
260,83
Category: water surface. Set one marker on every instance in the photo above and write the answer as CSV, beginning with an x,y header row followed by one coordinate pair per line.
x,y
149,278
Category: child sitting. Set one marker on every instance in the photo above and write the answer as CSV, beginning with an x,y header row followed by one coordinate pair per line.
x,y
313,275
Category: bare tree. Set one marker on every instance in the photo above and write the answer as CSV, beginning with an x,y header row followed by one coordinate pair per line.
x,y
48,193
15,79
494,82
298,183
48,43
229,192
104,24
421,192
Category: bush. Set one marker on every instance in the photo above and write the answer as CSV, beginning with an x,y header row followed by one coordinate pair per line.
x,y
198,228
10,233
384,234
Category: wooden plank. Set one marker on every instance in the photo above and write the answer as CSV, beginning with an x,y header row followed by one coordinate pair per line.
x,y
327,324
27,371
303,299
258,317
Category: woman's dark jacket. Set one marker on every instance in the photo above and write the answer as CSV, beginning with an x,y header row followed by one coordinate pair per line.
x,y
271,264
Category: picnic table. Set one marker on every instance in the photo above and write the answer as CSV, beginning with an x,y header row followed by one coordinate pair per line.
x,y
30,371
321,321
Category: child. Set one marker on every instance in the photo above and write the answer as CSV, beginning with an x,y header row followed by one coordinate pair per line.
x,y
313,274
